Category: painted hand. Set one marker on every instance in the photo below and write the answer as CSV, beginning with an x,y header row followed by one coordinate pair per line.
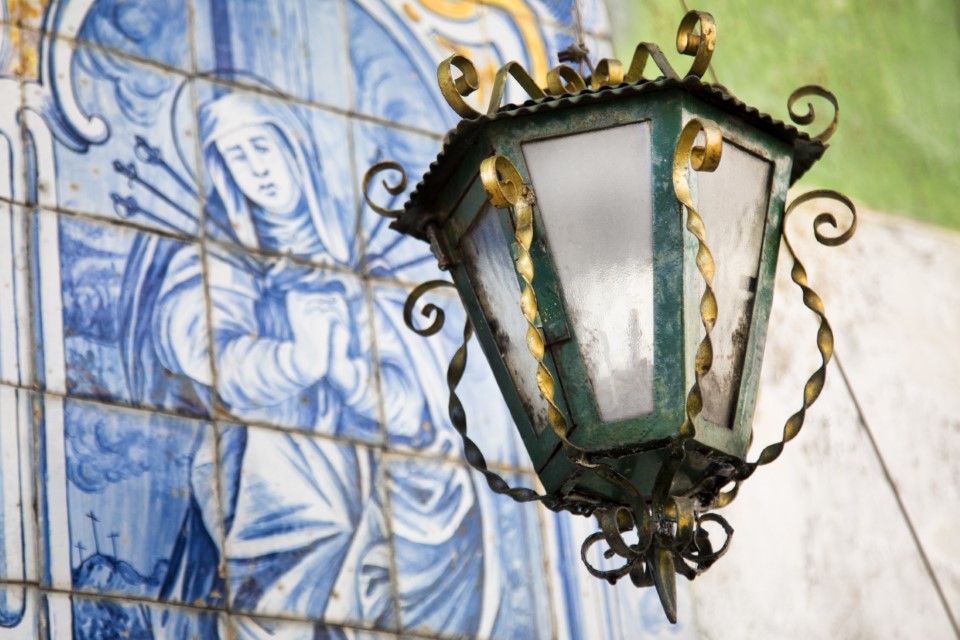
x,y
316,319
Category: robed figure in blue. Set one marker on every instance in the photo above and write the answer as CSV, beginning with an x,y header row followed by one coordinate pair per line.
x,y
303,518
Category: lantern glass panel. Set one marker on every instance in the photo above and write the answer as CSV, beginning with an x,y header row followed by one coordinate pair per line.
x,y
733,202
490,268
594,195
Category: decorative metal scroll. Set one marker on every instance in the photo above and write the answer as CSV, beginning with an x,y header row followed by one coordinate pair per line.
x,y
458,416
394,190
814,384
564,79
810,115
700,158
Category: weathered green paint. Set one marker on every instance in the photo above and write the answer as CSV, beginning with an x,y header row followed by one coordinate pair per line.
x,y
735,441
892,65
676,291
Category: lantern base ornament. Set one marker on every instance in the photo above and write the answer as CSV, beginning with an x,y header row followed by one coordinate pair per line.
x,y
659,492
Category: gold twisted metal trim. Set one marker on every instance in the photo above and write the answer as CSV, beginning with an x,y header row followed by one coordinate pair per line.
x,y
700,158
563,79
814,385
608,73
643,52
700,45
394,190
457,414
454,90
810,115
523,78
505,187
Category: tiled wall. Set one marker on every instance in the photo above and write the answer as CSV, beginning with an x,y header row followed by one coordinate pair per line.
x,y
213,422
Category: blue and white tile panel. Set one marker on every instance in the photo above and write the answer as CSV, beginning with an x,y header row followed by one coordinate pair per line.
x,y
213,421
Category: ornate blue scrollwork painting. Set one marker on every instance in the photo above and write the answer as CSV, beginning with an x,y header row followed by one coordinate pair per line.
x,y
206,386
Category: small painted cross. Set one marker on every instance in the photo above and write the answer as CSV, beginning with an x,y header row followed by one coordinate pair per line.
x,y
93,522
113,541
80,548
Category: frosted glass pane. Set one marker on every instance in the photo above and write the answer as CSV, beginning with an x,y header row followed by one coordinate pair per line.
x,y
594,194
733,203
486,256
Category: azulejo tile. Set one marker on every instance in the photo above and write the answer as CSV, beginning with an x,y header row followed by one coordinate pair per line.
x,y
122,315
394,62
157,30
18,544
129,503
468,561
305,532
292,345
294,46
277,176
12,72
561,13
388,254
133,159
413,384
246,628
16,353
19,619
81,617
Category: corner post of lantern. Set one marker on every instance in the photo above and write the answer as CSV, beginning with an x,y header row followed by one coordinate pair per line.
x,y
614,241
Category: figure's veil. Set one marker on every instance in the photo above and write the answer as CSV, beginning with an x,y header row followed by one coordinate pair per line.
x,y
234,111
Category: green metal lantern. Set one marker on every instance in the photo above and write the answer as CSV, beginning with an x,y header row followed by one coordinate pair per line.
x,y
614,243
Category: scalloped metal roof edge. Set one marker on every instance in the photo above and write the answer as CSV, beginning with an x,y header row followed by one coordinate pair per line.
x,y
806,150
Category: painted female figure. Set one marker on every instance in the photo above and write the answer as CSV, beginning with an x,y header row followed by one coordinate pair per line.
x,y
302,518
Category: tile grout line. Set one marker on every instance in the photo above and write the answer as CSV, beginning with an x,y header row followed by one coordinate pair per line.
x,y
386,449
206,76
220,535
140,600
896,494
135,227
382,482
40,558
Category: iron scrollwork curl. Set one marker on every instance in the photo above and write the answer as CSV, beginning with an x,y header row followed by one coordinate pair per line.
x,y
814,384
429,310
810,115
700,45
394,190
565,80
644,52
798,273
454,90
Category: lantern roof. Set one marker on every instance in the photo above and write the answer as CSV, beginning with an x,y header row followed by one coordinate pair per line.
x,y
458,141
